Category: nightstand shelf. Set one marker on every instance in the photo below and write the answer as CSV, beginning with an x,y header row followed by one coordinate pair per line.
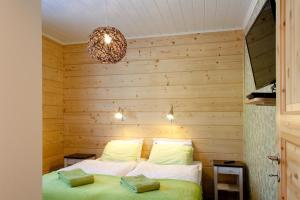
x,y
77,157
235,169
228,187
262,101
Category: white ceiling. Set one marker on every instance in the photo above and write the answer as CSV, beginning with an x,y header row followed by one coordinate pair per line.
x,y
71,21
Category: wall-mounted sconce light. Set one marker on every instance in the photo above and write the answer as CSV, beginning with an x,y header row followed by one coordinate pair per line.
x,y
119,115
170,115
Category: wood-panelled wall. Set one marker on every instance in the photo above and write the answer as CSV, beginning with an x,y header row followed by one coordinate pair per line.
x,y
52,105
201,75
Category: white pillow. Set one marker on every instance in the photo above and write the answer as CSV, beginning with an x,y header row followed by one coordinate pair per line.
x,y
172,141
103,167
135,141
178,172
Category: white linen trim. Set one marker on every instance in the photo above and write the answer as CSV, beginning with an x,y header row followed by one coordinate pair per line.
x,y
187,142
103,167
178,172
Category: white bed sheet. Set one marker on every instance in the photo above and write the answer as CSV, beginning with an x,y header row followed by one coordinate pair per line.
x,y
103,167
191,173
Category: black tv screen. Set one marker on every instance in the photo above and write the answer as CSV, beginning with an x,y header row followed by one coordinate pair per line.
x,y
261,43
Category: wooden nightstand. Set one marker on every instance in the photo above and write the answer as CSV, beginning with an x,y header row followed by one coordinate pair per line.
x,y
77,157
235,169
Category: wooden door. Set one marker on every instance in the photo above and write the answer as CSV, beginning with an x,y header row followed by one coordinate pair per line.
x,y
288,105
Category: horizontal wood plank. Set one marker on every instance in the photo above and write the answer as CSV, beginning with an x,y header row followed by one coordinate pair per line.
x,y
157,79
172,52
155,66
157,118
52,112
200,145
198,38
155,131
159,105
52,74
52,99
159,92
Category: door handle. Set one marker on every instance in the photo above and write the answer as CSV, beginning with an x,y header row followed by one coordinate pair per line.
x,y
275,175
274,159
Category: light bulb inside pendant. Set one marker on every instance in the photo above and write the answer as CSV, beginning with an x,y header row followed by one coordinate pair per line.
x,y
119,115
107,39
170,115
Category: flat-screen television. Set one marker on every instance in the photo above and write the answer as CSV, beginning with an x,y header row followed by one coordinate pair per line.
x,y
261,43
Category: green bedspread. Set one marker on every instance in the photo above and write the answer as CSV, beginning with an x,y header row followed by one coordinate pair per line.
x,y
108,188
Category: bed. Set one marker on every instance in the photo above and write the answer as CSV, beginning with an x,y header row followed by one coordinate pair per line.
x,y
107,187
177,182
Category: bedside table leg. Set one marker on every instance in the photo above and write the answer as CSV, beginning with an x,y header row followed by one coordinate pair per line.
x,y
216,182
65,163
241,184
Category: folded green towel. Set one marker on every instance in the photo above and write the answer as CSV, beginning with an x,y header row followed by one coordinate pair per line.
x,y
139,183
75,177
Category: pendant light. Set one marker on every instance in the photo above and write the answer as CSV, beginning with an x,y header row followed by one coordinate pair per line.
x,y
107,44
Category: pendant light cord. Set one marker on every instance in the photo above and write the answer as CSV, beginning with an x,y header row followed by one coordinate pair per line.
x,y
106,13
